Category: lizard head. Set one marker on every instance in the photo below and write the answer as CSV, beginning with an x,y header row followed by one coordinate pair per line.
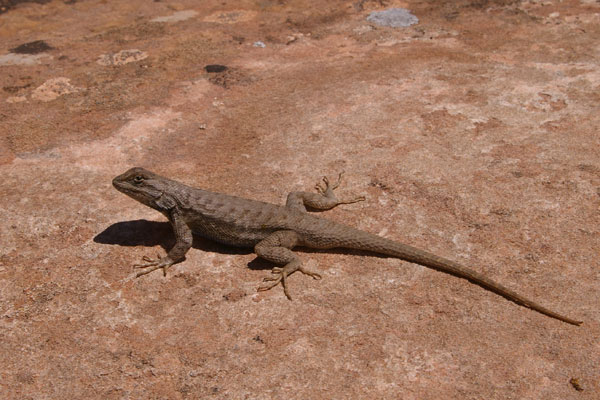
x,y
144,186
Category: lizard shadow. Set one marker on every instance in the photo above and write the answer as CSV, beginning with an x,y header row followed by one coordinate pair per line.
x,y
146,233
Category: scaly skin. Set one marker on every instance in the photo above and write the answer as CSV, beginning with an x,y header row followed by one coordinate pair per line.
x,y
274,230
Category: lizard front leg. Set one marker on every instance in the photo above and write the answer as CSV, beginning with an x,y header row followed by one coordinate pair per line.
x,y
276,248
183,242
324,200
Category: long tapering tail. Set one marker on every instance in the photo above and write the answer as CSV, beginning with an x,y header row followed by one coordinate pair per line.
x,y
377,244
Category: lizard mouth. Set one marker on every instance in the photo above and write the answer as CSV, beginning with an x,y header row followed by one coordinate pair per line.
x,y
125,187
119,185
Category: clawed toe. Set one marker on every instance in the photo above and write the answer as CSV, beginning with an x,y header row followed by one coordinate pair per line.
x,y
147,271
320,188
150,262
282,274
326,186
354,200
269,286
313,275
153,264
339,181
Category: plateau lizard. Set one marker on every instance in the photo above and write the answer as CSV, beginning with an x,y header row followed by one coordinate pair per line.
x,y
274,230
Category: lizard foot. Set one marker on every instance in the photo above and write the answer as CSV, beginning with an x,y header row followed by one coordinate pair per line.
x,y
153,265
327,188
281,275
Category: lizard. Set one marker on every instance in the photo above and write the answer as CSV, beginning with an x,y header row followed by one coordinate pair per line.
x,y
273,231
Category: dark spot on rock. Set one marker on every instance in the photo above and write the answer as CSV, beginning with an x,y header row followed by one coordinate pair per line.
x,y
15,89
451,16
212,68
588,168
25,377
234,295
258,339
38,46
6,5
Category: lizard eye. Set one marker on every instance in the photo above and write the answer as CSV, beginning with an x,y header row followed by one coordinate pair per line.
x,y
138,179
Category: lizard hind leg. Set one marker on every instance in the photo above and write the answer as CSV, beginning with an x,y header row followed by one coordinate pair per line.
x,y
276,248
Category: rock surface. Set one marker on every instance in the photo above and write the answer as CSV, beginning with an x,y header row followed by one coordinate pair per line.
x,y
473,134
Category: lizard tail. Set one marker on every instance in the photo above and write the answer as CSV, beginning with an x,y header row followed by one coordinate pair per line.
x,y
376,244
